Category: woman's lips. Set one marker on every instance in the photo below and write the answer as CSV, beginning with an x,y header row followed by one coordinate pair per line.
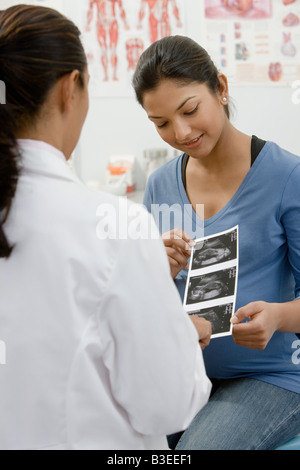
x,y
193,143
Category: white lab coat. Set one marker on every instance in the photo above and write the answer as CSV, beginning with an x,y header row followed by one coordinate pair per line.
x,y
98,351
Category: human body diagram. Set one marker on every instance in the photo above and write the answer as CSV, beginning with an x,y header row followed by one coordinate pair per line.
x,y
159,20
116,32
121,32
107,31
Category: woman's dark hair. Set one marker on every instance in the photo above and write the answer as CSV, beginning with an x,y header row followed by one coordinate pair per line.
x,y
38,46
177,58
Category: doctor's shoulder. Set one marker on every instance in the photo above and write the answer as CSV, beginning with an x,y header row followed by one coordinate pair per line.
x,y
117,219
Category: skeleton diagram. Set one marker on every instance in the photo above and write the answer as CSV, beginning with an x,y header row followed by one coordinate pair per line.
x,y
159,21
107,30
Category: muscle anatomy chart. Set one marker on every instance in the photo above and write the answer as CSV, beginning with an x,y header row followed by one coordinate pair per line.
x,y
115,33
158,17
107,27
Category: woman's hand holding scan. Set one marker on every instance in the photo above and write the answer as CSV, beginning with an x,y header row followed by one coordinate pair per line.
x,y
263,322
178,246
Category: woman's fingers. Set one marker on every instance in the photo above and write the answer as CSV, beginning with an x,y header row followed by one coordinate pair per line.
x,y
178,247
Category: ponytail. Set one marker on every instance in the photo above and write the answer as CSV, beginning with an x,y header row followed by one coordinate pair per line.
x,y
9,170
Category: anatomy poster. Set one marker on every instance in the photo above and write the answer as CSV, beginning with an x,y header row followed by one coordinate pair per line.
x,y
251,41
226,9
254,41
212,280
116,32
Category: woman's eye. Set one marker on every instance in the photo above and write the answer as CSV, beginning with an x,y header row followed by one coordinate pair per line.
x,y
160,126
192,112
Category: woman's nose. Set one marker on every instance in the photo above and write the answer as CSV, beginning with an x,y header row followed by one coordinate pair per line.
x,y
182,131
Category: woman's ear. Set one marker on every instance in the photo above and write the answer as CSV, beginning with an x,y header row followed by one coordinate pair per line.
x,y
69,87
223,88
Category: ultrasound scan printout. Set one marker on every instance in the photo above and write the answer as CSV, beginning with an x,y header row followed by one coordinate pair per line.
x,y
212,280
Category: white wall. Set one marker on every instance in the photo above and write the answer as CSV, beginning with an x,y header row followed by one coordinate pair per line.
x,y
120,126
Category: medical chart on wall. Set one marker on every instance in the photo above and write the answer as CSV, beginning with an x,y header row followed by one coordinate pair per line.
x,y
212,280
251,41
116,32
254,41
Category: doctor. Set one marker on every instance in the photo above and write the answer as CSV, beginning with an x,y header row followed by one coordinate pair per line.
x,y
99,353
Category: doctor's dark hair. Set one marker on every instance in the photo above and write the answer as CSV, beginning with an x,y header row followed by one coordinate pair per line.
x,y
177,58
38,46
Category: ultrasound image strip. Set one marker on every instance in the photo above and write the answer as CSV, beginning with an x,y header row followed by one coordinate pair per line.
x,y
212,280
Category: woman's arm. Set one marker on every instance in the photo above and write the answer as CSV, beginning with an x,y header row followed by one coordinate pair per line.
x,y
264,319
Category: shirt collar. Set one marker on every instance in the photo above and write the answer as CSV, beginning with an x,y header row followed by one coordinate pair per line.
x,y
40,145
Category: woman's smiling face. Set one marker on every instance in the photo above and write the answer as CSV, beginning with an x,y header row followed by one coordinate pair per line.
x,y
188,117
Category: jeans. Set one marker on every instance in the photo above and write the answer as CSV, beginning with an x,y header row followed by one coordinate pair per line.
x,y
243,414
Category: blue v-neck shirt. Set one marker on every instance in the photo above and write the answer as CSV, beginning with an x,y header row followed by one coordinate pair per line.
x,y
266,207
